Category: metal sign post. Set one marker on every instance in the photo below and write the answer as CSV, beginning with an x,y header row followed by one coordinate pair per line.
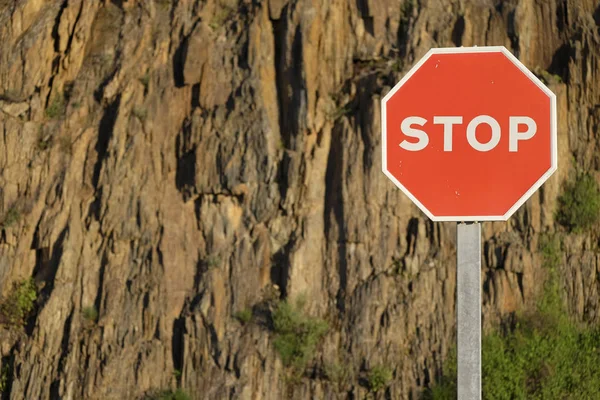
x,y
431,150
468,293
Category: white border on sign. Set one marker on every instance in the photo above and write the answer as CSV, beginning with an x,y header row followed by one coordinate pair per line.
x,y
553,131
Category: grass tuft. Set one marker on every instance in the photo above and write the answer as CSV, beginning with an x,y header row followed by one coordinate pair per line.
x,y
297,335
56,108
579,204
20,302
379,377
244,316
178,394
90,313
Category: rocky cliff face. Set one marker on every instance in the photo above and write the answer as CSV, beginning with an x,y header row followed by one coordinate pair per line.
x,y
171,163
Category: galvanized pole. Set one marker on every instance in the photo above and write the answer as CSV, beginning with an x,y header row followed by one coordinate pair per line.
x,y
468,293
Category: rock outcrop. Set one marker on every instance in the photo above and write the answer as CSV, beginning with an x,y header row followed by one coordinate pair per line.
x,y
172,162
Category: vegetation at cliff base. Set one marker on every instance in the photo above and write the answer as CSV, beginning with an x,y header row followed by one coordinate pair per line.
x,y
543,356
297,334
579,204
178,394
535,361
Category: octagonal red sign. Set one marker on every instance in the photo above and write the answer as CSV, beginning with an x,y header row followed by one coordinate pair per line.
x,y
469,134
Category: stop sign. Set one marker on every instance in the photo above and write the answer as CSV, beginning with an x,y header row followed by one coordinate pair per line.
x,y
469,134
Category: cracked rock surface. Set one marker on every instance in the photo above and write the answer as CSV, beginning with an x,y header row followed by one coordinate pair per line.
x,y
173,162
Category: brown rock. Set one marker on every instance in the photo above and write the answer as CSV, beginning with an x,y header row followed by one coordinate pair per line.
x,y
179,161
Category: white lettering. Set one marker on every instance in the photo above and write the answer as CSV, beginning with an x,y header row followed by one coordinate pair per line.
x,y
514,134
415,133
447,122
471,133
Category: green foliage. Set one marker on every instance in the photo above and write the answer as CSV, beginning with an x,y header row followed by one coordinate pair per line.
x,y
243,316
547,77
550,248
297,334
550,305
212,261
446,386
579,204
140,113
221,15
379,377
145,80
4,378
44,144
102,61
340,112
545,361
164,4
178,394
338,373
56,108
11,217
545,356
90,313
44,141
17,306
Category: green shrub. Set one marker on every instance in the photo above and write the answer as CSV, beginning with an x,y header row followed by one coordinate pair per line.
x,y
11,217
338,373
90,313
164,4
243,316
535,362
140,113
178,394
44,140
547,77
4,378
221,15
550,305
17,306
579,204
145,80
297,334
379,377
56,108
550,248
545,355
212,261
445,389
340,111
